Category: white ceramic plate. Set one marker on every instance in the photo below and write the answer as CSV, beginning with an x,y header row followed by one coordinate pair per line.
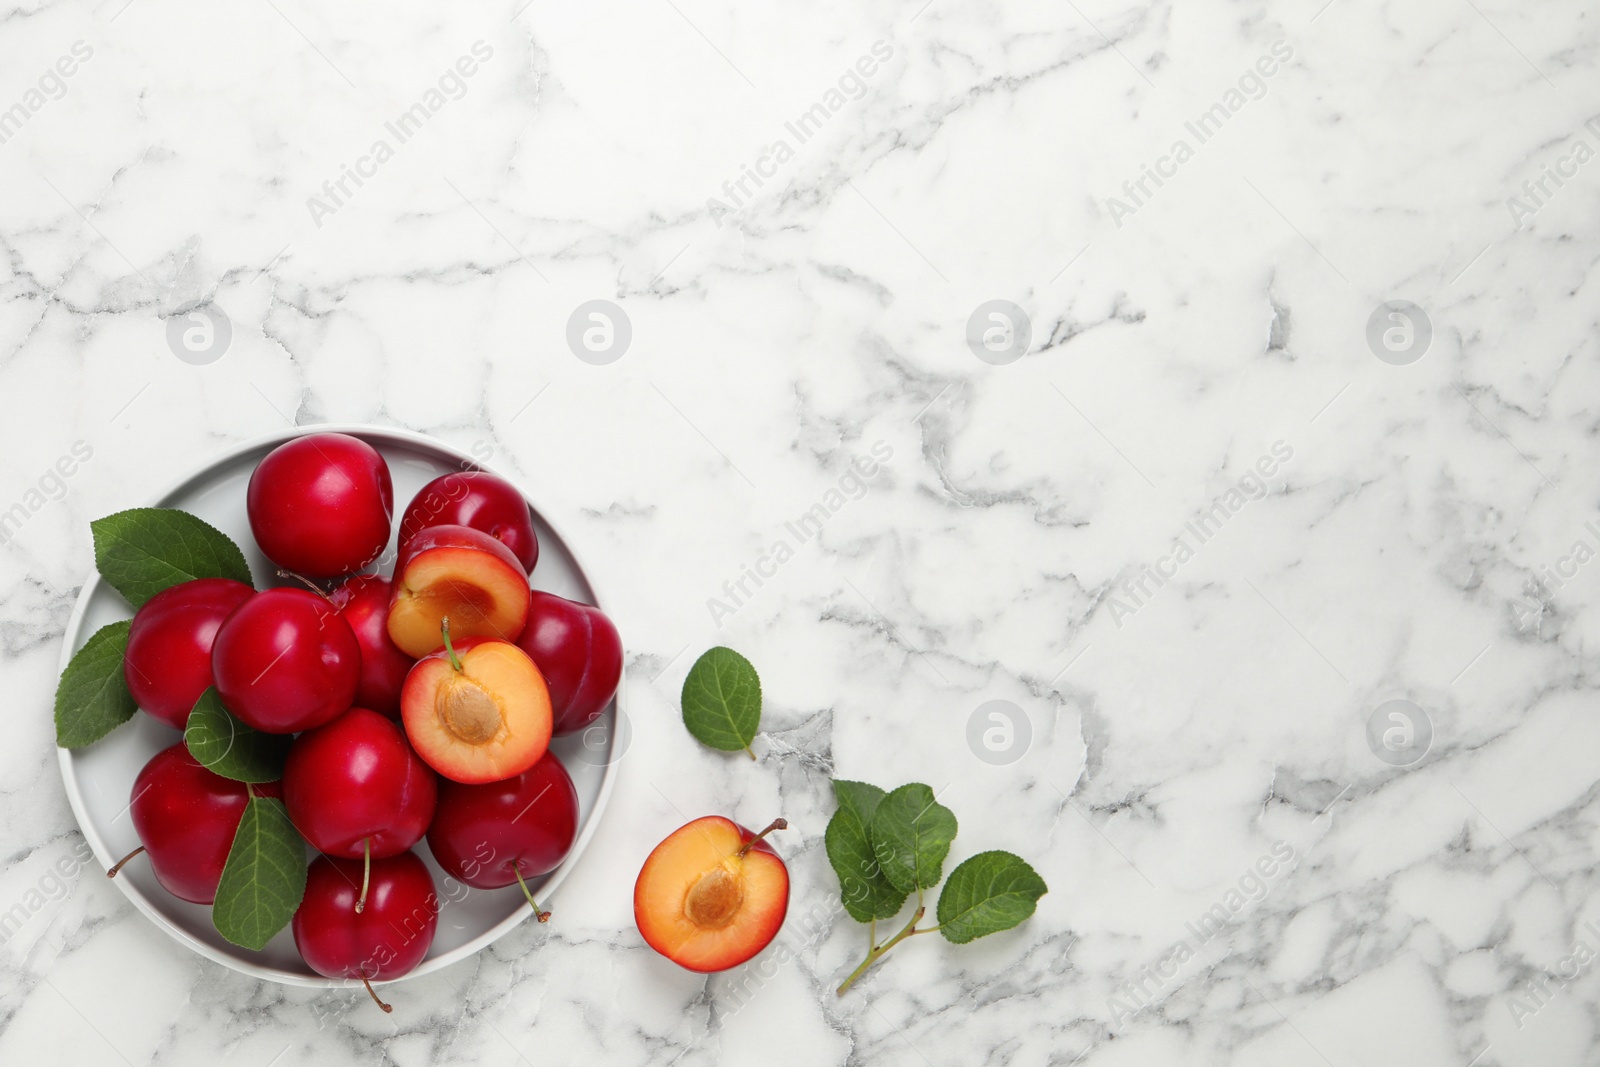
x,y
100,778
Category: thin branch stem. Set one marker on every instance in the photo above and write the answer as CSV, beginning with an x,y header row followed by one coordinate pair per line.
x,y
388,1008
302,579
366,874
906,931
112,873
542,916
450,650
775,824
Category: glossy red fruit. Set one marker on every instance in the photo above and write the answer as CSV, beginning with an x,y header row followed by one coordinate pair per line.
x,y
485,835
480,500
363,602
168,662
577,649
186,817
354,783
385,940
321,505
285,661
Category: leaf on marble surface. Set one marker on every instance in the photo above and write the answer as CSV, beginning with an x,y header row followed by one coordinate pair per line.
x,y
866,892
911,835
987,893
722,700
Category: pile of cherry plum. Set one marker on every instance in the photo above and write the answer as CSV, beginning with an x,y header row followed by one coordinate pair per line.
x,y
422,704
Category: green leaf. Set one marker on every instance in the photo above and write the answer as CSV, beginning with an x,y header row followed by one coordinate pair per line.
x,y
93,698
228,747
866,893
911,835
990,892
145,550
722,700
264,878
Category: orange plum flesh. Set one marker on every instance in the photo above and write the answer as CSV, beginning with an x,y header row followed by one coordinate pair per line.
x,y
487,721
459,574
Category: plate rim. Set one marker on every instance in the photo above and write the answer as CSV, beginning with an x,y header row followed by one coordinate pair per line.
x,y
69,646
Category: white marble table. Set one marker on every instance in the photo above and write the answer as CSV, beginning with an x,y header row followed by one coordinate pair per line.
x,y
1196,506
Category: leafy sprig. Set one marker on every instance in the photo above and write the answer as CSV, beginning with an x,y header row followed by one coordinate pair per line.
x,y
886,846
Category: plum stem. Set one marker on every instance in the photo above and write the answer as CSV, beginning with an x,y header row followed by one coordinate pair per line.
x,y
366,876
542,916
373,993
112,873
450,650
775,824
909,930
302,579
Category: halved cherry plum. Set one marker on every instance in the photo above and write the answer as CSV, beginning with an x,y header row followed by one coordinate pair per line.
x,y
712,894
478,710
461,574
